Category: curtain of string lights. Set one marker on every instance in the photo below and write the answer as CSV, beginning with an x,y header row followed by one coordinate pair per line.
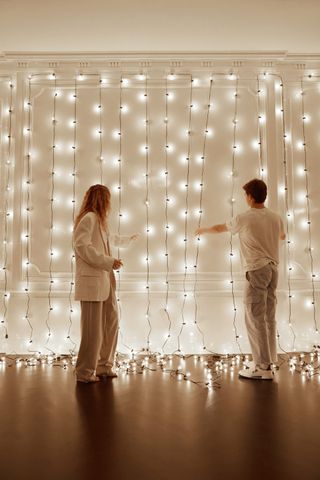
x,y
174,149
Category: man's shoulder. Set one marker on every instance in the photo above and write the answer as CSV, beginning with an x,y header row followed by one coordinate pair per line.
x,y
244,215
272,213
254,214
239,220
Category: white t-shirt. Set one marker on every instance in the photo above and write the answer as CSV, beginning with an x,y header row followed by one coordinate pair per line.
x,y
259,232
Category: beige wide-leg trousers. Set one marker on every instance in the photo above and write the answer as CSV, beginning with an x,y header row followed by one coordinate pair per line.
x,y
99,336
260,309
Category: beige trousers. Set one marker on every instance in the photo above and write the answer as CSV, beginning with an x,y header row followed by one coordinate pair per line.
x,y
99,336
260,309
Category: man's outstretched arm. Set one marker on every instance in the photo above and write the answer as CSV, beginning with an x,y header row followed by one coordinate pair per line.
x,y
220,228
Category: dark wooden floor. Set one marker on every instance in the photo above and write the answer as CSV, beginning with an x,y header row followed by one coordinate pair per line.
x,y
152,426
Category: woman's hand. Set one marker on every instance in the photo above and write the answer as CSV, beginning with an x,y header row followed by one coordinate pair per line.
x,y
135,236
117,264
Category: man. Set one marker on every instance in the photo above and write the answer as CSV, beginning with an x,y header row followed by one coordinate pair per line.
x,y
259,231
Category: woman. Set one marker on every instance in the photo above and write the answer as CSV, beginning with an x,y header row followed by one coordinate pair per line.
x,y
95,286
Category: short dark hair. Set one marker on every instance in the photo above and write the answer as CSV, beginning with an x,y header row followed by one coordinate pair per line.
x,y
257,189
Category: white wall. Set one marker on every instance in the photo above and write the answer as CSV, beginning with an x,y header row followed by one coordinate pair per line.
x,y
169,25
27,315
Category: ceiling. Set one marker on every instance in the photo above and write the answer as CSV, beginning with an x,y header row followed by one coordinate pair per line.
x,y
160,25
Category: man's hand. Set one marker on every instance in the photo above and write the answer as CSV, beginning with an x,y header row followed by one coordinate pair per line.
x,y
220,228
200,231
117,264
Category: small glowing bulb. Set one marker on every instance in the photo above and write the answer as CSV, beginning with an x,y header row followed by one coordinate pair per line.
x,y
144,149
256,144
301,171
300,145
282,189
149,229
97,108
169,148
116,134
142,97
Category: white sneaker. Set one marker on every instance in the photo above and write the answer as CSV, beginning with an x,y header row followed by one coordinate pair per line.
x,y
249,364
256,373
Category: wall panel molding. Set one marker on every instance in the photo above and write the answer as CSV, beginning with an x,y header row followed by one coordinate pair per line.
x,y
258,118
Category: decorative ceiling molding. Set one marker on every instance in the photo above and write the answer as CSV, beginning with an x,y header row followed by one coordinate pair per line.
x,y
175,61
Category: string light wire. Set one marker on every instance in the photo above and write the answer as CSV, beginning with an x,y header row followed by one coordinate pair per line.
x,y
147,201
119,190
186,212
308,209
234,147
74,175
52,194
7,195
288,210
28,209
167,200
203,163
262,171
120,213
100,131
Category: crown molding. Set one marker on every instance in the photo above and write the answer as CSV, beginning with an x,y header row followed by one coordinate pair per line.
x,y
140,60
163,55
175,61
250,55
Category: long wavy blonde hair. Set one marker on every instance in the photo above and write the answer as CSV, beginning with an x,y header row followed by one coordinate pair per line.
x,y
97,200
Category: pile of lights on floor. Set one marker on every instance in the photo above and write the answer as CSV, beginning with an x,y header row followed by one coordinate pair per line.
x,y
53,359
306,364
212,367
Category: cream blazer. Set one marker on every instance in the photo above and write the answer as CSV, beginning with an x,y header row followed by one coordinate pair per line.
x,y
93,259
